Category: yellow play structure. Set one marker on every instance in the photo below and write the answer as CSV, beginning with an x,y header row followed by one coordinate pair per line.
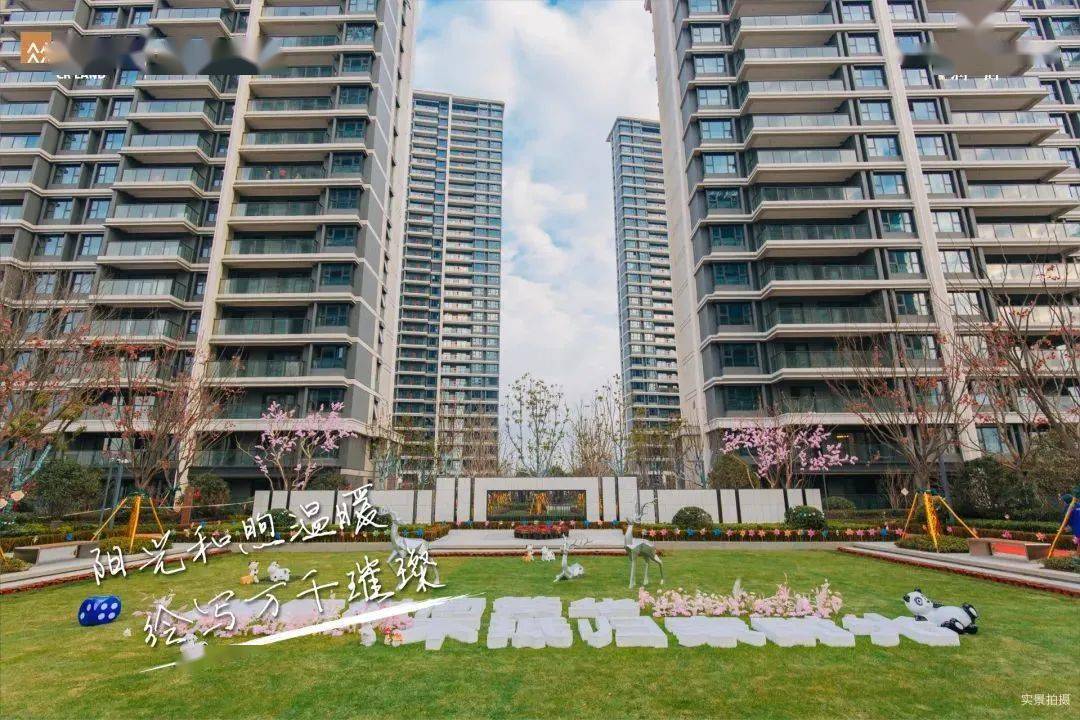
x,y
928,499
133,521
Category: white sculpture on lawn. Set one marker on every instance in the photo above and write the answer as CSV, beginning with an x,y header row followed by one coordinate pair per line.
x,y
959,619
403,547
569,572
636,547
278,573
547,554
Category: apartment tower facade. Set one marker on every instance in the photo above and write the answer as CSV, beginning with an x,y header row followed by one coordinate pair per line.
x,y
646,319
822,187
251,221
446,398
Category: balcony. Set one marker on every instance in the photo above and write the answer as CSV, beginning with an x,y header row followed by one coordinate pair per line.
x,y
282,174
28,78
1012,163
261,326
154,217
1031,198
818,273
14,176
1042,316
807,359
279,105
291,137
774,96
271,246
806,130
23,109
295,208
174,114
232,458
788,63
164,254
987,93
210,22
146,328
819,164
267,285
173,147
1038,275
304,11
141,291
40,19
257,368
826,316
1002,128
796,202
1024,235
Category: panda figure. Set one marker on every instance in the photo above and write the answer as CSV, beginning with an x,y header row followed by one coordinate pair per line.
x,y
958,619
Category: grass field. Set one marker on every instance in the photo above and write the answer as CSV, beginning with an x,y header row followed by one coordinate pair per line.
x,y
50,667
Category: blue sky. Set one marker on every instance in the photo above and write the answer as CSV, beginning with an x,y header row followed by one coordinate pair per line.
x,y
566,70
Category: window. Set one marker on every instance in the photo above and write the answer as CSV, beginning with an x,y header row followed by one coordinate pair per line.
x,y
332,315
875,111
939,183
336,274
50,246
126,78
58,209
931,146
112,140
966,303
707,34
339,236
925,110
83,109
955,262
344,199
920,346
901,10
704,6
359,33
45,283
714,97
857,12
90,245
721,164
948,222
120,108
726,236
97,209
710,65
912,304
74,141
916,77
898,222
869,77
1065,27
909,43
356,64
734,314
105,174
329,356
731,274
66,174
991,442
741,399
354,96
863,45
139,17
717,129
351,128
722,198
904,262
883,146
348,164
889,184
105,17
739,355
81,283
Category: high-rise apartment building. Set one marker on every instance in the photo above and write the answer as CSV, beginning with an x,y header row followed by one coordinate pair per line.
x,y
823,188
446,399
646,319
254,221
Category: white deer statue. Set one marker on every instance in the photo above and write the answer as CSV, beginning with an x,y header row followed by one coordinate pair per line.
x,y
639,547
402,547
569,572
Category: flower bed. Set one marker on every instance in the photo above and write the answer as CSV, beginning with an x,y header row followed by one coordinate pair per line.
x,y
555,531
818,602
767,533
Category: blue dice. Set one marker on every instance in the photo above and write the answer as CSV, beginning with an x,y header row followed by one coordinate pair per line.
x,y
99,610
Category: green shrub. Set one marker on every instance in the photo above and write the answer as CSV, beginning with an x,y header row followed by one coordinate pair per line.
x,y
946,543
805,516
12,564
1065,564
691,518
328,481
729,472
986,488
64,486
836,506
283,520
208,489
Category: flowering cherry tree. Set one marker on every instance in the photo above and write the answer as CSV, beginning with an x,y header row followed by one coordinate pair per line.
x,y
783,454
289,447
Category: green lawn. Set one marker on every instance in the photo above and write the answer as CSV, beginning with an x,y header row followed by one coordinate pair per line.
x,y
50,667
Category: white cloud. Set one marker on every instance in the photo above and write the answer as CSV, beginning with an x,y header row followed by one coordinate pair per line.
x,y
566,71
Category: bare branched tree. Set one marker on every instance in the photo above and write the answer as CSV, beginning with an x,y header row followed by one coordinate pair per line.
x,y
537,420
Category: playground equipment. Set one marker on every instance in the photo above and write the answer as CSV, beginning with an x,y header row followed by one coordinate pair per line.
x,y
1071,519
928,498
136,500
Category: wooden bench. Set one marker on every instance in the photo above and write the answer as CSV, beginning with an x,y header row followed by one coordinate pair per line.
x,y
54,552
985,547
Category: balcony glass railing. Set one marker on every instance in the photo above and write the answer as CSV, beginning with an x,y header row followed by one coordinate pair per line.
x,y
792,157
26,77
222,458
171,140
248,410
173,106
790,86
282,172
301,11
1032,231
145,327
24,108
270,209
991,83
778,273
249,285
764,233
189,13
1037,273
822,193
1020,192
142,286
11,176
307,40
170,211
825,358
825,315
261,326
1020,117
271,246
257,368
289,104
791,52
1059,316
150,248
783,20
42,16
795,121
1010,154
294,137
163,175
300,71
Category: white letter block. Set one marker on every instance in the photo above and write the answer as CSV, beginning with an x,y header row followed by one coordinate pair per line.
x,y
641,631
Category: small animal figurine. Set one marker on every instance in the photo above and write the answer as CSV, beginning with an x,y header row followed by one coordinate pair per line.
x,y
569,572
528,553
278,573
246,580
367,635
547,554
958,619
253,571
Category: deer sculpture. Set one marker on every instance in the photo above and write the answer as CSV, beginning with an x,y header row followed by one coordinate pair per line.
x,y
402,547
638,547
569,572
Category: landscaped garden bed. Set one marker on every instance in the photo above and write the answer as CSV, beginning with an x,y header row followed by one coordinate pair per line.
x,y
541,532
